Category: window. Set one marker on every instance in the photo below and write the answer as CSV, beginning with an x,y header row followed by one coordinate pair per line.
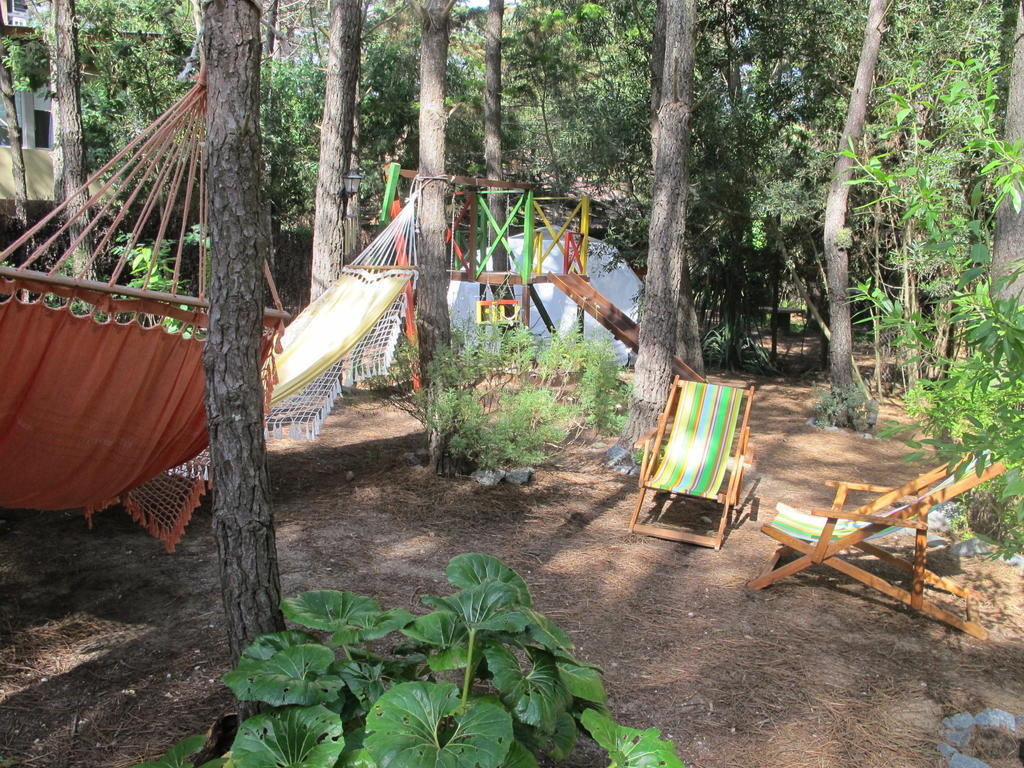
x,y
43,137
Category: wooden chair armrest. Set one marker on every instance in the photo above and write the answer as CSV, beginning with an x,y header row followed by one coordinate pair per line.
x,y
859,486
890,521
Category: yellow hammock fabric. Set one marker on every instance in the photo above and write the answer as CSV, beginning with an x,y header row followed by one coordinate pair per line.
x,y
331,326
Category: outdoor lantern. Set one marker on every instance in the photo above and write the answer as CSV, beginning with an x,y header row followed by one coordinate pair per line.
x,y
350,182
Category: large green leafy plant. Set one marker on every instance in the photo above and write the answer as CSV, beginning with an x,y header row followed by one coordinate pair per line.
x,y
482,681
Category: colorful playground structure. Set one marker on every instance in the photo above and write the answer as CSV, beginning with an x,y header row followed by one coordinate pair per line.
x,y
544,225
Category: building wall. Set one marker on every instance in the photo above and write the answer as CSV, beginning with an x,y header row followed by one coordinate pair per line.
x,y
38,174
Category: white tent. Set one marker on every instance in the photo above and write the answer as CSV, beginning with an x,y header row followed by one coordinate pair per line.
x,y
608,274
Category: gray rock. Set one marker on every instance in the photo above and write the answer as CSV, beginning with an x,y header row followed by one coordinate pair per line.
x,y
615,454
627,469
946,751
996,718
941,516
970,548
963,761
520,476
1017,560
488,476
961,721
412,459
936,541
350,476
959,738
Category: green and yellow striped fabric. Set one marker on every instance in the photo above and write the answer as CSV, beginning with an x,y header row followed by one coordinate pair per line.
x,y
808,527
702,433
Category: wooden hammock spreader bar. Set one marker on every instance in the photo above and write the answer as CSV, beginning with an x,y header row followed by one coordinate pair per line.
x,y
94,291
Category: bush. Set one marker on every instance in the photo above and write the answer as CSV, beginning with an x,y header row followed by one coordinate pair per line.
x,y
482,681
845,408
504,399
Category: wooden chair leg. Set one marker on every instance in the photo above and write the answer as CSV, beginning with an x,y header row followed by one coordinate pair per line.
x,y
639,506
726,510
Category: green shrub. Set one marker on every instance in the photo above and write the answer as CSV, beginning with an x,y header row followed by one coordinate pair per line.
x,y
482,681
503,398
845,408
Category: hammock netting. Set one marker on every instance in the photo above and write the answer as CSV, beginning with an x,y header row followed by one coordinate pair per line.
x,y
103,317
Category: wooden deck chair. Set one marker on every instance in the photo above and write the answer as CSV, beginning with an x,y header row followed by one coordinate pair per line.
x,y
820,538
695,459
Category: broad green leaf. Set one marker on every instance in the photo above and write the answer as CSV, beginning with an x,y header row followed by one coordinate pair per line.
x,y
365,680
296,675
486,606
345,614
544,631
537,697
369,626
563,740
179,755
519,757
446,634
418,725
629,747
470,569
265,646
583,682
296,737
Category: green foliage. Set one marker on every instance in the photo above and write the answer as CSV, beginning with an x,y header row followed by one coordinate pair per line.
x,y
852,407
505,399
482,681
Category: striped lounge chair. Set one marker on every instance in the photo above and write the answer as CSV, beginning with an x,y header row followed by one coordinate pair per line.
x,y
700,421
822,537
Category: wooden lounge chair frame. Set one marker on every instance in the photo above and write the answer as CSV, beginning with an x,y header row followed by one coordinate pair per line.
x,y
651,444
826,551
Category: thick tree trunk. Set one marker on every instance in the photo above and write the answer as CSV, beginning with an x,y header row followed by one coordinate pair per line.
x,y
492,117
66,107
14,139
666,267
336,144
270,15
1008,247
837,237
242,520
433,326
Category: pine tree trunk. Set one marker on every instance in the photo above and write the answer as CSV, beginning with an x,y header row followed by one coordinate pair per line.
x,y
433,329
242,520
66,106
336,144
837,237
666,268
14,139
492,119
1008,246
270,14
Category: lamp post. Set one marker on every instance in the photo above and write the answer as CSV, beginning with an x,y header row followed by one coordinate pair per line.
x,y
350,184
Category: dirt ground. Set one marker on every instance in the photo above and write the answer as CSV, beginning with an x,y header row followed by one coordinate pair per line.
x,y
111,649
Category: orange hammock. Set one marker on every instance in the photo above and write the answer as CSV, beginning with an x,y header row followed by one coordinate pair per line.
x,y
101,381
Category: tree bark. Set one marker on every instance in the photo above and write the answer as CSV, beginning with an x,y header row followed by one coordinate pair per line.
x,y
242,520
1008,245
336,133
433,326
666,259
492,118
14,139
68,153
837,237
270,24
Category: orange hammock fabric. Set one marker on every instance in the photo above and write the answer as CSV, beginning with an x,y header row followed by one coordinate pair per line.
x,y
91,410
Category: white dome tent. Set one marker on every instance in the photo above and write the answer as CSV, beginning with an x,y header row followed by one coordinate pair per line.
x,y
608,274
